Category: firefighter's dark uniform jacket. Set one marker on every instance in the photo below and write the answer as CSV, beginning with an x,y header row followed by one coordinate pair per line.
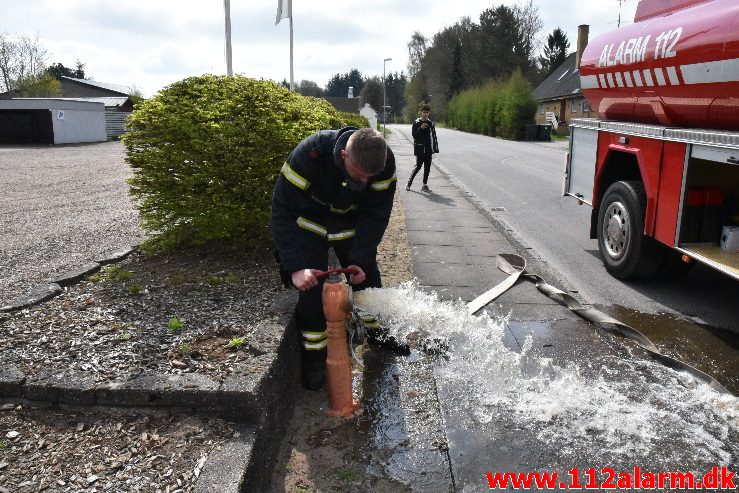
x,y
313,208
312,194
424,139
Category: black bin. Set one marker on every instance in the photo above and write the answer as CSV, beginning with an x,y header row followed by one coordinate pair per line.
x,y
544,132
531,131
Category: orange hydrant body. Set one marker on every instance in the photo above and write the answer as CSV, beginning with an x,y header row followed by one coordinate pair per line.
x,y
337,309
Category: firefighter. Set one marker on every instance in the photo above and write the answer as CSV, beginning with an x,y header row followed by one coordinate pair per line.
x,y
335,190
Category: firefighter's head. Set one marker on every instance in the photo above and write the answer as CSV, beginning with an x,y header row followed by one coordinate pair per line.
x,y
364,156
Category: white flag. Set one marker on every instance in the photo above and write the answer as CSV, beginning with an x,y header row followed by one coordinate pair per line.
x,y
284,10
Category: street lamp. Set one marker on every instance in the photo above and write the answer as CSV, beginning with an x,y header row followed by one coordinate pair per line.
x,y
384,106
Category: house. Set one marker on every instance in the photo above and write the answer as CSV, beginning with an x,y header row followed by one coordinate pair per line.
x,y
559,96
61,120
347,105
370,114
51,121
115,98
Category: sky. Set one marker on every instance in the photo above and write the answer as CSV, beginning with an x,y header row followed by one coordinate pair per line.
x,y
152,43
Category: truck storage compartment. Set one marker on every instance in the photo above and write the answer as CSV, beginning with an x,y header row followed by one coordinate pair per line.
x,y
710,205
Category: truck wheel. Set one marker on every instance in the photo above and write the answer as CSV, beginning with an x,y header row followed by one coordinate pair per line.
x,y
626,252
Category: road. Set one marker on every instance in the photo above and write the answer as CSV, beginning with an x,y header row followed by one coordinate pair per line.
x,y
525,180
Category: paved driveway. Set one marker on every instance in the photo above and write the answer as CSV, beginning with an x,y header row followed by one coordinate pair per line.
x,y
60,207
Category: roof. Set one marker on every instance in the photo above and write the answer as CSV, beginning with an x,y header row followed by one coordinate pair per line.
x,y
107,101
49,103
563,83
102,85
348,105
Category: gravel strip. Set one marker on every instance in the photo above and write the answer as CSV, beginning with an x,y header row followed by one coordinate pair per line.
x,y
55,451
60,207
192,311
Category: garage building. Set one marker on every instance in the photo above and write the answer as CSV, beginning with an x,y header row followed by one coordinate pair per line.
x,y
51,121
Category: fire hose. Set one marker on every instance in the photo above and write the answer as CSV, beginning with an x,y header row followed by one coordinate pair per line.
x,y
515,267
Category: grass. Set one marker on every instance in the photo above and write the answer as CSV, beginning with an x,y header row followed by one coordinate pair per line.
x,y
346,474
3,444
236,342
112,273
213,280
135,288
175,324
126,336
176,280
185,348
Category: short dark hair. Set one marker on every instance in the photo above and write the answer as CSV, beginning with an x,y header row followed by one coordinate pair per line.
x,y
368,149
425,107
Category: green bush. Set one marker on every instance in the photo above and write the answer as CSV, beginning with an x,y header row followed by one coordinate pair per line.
x,y
499,108
206,152
354,119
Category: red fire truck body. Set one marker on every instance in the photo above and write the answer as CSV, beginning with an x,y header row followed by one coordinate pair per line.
x,y
660,167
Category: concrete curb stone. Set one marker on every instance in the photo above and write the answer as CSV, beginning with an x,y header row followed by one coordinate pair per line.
x,y
75,275
38,294
11,381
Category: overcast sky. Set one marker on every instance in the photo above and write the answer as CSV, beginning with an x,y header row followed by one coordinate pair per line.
x,y
152,43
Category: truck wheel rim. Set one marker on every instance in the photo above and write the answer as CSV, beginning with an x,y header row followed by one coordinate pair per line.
x,y
616,230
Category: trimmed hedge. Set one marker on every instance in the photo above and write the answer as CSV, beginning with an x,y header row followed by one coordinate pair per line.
x,y
206,152
499,108
354,119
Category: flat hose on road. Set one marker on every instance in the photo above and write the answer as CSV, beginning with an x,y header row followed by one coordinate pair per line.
x,y
515,267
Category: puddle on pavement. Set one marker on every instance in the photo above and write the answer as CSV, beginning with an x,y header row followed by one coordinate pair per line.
x,y
712,350
608,408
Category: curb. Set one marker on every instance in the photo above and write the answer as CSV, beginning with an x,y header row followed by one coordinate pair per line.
x,y
44,292
258,398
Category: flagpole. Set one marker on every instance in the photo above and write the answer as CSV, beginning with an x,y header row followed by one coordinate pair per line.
x,y
292,80
229,63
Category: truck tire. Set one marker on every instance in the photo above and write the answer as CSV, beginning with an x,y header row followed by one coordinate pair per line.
x,y
626,252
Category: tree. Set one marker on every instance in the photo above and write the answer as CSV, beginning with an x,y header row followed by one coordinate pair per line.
x,y
42,86
309,88
372,94
456,77
555,51
395,91
416,52
136,94
339,84
529,26
58,70
22,60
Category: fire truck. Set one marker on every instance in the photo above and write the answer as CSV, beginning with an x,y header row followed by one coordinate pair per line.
x,y
660,164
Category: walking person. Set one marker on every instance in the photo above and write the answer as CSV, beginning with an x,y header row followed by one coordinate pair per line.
x,y
425,146
335,190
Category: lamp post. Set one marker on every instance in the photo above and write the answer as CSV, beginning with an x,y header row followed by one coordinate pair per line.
x,y
384,106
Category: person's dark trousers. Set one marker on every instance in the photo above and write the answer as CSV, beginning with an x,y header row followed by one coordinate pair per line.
x,y
309,318
425,161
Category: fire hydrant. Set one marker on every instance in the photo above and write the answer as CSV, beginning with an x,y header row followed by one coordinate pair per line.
x,y
337,307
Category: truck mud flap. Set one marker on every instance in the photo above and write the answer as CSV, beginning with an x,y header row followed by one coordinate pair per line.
x,y
515,267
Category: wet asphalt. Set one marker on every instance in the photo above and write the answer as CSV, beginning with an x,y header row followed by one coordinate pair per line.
x,y
467,433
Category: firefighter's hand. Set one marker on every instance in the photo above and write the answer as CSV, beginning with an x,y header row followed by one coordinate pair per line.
x,y
305,279
358,277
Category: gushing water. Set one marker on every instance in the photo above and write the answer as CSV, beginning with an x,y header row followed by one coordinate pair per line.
x,y
617,407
